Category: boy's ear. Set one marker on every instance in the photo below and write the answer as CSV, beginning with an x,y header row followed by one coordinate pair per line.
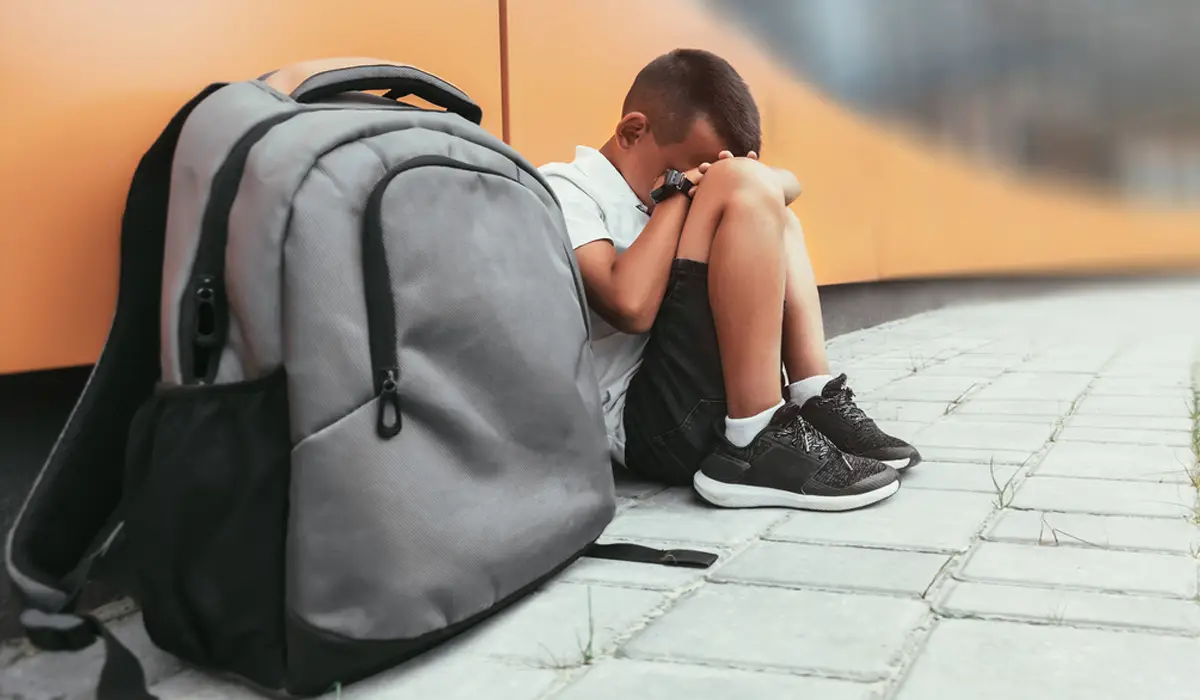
x,y
632,128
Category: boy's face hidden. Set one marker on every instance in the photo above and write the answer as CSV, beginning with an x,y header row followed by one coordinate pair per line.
x,y
646,159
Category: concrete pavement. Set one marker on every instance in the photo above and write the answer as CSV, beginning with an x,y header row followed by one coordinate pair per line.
x,y
1047,549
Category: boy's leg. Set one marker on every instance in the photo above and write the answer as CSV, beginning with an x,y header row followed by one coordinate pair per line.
x,y
803,325
719,334
716,343
827,402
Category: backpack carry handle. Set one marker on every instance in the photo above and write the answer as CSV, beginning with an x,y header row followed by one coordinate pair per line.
x,y
398,80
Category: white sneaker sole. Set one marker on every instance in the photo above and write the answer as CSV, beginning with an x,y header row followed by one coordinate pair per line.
x,y
726,495
899,464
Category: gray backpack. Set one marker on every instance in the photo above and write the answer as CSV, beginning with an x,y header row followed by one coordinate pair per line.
x,y
347,407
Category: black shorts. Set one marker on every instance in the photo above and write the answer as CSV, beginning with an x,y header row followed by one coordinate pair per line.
x,y
677,397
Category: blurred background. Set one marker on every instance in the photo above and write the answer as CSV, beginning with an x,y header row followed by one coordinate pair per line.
x,y
1106,93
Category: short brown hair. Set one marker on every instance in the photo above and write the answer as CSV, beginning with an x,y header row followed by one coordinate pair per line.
x,y
676,88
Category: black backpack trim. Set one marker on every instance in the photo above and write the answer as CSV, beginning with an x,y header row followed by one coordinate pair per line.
x,y
77,493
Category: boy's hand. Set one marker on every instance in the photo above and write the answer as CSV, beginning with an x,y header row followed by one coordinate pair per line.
x,y
729,154
788,184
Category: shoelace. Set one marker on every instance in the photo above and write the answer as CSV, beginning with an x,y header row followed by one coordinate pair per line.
x,y
843,404
801,433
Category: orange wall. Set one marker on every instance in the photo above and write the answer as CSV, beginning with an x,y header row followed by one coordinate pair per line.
x,y
89,85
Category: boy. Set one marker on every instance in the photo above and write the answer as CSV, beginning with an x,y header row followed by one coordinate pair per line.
x,y
701,291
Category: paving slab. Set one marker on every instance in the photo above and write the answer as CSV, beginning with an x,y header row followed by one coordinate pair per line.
x,y
907,411
931,521
844,635
680,516
951,368
984,660
632,574
938,453
447,676
1065,606
627,678
1105,497
1170,407
1152,573
959,476
1182,424
556,627
974,434
1107,531
1124,386
823,566
1040,386
941,389
1129,436
980,359
1158,463
1013,407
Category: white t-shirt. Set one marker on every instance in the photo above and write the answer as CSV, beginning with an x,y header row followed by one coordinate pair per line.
x,y
598,205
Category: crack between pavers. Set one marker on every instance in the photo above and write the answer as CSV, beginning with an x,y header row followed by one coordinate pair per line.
x,y
1074,588
1071,544
886,547
735,665
819,588
910,653
1015,618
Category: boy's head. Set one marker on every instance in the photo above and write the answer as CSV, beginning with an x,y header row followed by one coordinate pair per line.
x,y
683,109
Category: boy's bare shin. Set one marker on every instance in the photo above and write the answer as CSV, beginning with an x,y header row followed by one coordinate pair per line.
x,y
803,326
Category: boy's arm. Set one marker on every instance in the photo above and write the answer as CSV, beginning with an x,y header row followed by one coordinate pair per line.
x,y
626,290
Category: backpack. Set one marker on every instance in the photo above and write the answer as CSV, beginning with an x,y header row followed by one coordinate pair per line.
x,y
347,405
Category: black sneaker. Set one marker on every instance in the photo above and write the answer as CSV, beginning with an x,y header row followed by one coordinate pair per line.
x,y
791,465
836,415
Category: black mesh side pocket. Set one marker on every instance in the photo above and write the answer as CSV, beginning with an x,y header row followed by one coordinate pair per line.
x,y
207,479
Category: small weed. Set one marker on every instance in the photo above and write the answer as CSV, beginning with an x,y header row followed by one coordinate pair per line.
x,y
1194,468
1055,532
588,652
337,690
1195,550
953,405
1059,614
1005,493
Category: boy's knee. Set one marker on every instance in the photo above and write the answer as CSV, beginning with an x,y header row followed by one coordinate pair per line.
x,y
743,189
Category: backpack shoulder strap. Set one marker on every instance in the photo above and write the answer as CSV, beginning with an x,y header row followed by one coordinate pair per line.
x,y
79,487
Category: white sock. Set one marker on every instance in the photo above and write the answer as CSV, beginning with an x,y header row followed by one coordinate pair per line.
x,y
805,389
741,431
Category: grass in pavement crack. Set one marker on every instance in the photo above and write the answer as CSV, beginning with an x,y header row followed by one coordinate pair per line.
x,y
953,405
1005,493
1194,467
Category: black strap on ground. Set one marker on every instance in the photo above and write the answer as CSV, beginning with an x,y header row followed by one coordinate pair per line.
x,y
121,678
624,551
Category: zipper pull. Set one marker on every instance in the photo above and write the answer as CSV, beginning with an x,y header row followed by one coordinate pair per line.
x,y
388,426
204,321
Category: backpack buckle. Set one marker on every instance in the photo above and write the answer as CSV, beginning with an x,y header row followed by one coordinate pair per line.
x,y
57,631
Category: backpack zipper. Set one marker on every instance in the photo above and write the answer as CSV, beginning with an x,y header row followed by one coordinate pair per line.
x,y
204,321
377,284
